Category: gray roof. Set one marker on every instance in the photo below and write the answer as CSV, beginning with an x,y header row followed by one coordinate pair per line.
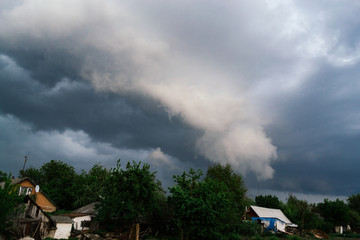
x,y
20,180
270,213
61,219
88,209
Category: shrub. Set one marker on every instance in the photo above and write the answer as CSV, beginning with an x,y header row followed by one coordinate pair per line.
x,y
293,237
248,228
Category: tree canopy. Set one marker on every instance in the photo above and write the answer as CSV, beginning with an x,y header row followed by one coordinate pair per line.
x,y
268,201
127,194
209,208
9,201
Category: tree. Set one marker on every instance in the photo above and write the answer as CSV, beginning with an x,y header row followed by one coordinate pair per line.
x,y
354,202
208,208
234,184
89,185
268,201
33,173
335,212
184,201
127,194
301,213
9,201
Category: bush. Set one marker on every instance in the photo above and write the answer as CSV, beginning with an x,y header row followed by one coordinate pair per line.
x,y
248,228
257,237
294,237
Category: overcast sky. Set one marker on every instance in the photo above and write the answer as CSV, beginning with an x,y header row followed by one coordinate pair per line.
x,y
271,87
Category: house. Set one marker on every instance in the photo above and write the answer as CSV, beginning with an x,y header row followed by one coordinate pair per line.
x,y
32,221
83,217
28,187
63,227
269,218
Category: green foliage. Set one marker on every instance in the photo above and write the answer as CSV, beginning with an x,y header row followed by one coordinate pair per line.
x,y
248,228
9,201
354,202
301,213
208,208
64,186
334,212
354,219
293,237
345,236
58,182
268,201
127,194
257,237
33,173
233,183
88,185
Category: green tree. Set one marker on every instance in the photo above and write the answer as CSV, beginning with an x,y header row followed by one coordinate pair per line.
x,y
207,209
33,173
88,185
127,194
334,212
354,214
9,201
234,184
301,213
268,201
354,202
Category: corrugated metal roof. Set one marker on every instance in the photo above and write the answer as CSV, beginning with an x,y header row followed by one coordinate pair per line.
x,y
88,209
270,213
61,219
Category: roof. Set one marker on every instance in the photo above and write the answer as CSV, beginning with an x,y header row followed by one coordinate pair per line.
x,y
61,219
20,180
88,209
270,213
74,215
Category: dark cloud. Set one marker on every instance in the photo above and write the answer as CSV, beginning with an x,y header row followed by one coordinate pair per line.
x,y
266,85
106,117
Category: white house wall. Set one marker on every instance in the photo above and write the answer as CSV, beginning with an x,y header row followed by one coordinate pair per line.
x,y
78,220
63,230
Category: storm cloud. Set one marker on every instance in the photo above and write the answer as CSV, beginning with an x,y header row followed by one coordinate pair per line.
x,y
270,87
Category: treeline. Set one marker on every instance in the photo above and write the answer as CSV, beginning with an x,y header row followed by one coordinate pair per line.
x,y
198,206
324,215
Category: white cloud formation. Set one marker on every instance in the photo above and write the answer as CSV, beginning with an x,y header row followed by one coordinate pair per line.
x,y
165,166
118,53
129,50
158,158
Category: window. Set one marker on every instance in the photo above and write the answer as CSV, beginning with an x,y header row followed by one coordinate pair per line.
x,y
25,191
85,224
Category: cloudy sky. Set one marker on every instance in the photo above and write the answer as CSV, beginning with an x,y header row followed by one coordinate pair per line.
x,y
269,86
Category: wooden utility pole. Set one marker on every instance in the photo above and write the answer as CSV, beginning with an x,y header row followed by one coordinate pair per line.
x,y
26,158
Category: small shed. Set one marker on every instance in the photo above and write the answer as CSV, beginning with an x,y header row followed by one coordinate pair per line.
x,y
269,218
63,226
83,217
